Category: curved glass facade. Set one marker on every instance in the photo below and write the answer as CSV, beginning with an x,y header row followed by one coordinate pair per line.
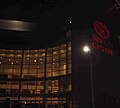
x,y
41,76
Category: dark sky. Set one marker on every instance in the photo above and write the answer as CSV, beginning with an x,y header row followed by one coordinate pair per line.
x,y
52,17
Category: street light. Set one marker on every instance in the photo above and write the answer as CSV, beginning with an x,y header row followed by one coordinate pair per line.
x,y
88,50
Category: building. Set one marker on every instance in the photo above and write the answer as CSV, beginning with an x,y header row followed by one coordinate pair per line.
x,y
58,74
36,76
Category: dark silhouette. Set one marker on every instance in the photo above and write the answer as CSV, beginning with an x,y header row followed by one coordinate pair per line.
x,y
106,100
6,103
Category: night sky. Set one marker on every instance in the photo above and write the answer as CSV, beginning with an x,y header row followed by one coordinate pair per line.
x,y
51,18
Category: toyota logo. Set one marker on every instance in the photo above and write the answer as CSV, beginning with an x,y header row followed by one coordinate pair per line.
x,y
101,30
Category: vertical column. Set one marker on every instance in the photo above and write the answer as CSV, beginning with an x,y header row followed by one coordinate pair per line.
x,y
59,91
44,95
12,73
2,77
28,78
91,76
75,73
20,75
3,59
37,75
67,94
52,76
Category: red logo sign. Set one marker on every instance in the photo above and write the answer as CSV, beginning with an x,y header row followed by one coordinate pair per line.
x,y
99,39
101,30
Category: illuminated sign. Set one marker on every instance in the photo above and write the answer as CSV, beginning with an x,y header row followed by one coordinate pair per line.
x,y
100,38
101,30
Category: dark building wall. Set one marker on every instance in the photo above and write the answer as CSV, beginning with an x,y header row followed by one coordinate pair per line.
x,y
106,74
80,76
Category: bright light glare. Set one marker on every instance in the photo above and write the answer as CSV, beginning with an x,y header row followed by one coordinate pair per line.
x,y
16,25
86,49
70,22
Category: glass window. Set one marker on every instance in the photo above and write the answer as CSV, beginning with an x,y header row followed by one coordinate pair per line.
x,y
33,73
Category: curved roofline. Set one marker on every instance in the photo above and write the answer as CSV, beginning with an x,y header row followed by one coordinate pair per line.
x,y
36,46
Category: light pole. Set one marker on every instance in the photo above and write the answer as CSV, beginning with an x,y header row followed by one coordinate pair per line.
x,y
88,50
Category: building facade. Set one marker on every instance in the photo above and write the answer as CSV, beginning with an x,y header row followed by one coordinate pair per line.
x,y
59,75
40,76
